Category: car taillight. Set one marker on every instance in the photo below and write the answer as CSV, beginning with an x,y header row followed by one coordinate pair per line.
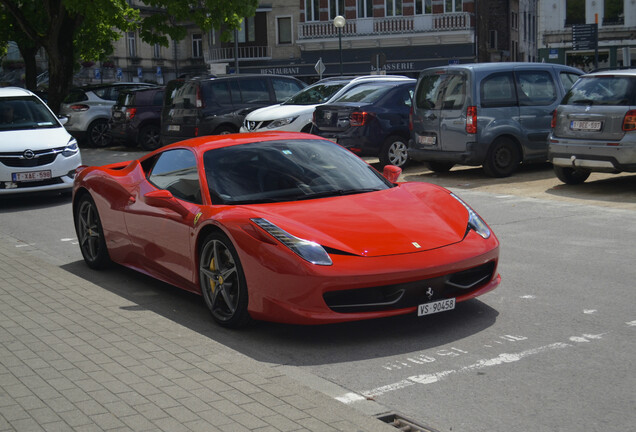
x,y
629,122
411,119
130,113
79,107
358,118
553,122
199,102
471,120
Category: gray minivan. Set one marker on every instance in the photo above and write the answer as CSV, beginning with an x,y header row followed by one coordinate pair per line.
x,y
218,105
491,114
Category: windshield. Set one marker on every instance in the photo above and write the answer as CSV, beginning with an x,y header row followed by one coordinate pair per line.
x,y
287,170
315,94
367,93
25,112
602,90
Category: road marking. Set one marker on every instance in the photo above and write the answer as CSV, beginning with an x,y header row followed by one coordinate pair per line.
x,y
631,323
67,239
350,397
589,311
527,297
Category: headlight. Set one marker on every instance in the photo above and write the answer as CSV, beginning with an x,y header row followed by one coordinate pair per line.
x,y
475,223
71,148
281,122
307,250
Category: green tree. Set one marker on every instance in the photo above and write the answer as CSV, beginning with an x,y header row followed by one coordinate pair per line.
x,y
73,29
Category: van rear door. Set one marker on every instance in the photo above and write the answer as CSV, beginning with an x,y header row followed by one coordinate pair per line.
x,y
452,125
427,111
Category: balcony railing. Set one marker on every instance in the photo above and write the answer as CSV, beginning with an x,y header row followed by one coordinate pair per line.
x,y
217,55
386,26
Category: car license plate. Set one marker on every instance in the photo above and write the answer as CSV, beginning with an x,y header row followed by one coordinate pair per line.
x,y
31,176
117,114
174,128
426,139
585,125
435,307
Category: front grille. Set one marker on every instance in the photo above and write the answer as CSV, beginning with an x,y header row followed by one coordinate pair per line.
x,y
400,296
40,157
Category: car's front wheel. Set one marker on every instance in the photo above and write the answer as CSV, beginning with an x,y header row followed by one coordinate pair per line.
x,y
571,176
223,282
98,134
394,152
90,234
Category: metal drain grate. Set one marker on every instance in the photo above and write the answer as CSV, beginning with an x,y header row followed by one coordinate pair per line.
x,y
403,424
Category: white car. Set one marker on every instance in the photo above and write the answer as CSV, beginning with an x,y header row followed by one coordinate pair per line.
x,y
295,114
36,152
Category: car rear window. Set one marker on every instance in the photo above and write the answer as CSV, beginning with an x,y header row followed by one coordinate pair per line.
x,y
366,93
75,95
602,90
315,94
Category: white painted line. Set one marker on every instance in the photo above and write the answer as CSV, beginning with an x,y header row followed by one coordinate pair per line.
x,y
631,323
589,311
67,239
350,398
527,297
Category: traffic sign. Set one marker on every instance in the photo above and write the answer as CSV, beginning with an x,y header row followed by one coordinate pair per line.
x,y
584,37
320,66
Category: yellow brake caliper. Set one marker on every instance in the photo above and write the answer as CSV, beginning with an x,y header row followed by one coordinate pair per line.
x,y
212,281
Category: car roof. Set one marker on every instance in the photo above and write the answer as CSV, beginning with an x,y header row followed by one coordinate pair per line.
x,y
14,92
90,87
612,72
488,67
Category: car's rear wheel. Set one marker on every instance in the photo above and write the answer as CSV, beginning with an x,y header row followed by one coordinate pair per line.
x,y
571,176
440,167
149,138
225,130
394,152
90,234
223,282
502,159
98,134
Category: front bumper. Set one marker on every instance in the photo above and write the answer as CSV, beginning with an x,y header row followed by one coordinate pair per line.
x,y
62,175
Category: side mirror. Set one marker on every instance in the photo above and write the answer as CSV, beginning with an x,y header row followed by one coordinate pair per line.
x,y
392,173
63,119
164,199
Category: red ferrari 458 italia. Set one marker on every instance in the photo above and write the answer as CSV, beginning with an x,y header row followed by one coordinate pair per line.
x,y
284,227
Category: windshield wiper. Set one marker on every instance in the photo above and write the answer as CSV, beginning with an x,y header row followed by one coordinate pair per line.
x,y
337,192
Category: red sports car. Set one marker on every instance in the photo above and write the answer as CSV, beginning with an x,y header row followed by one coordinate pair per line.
x,y
285,227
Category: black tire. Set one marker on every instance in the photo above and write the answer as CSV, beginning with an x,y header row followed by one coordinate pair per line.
x,y
90,234
394,152
307,128
502,159
98,134
571,176
222,281
224,130
440,167
149,137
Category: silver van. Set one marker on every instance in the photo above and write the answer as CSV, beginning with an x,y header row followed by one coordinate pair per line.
x,y
491,114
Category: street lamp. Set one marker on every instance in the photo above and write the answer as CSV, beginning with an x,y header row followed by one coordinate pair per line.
x,y
339,22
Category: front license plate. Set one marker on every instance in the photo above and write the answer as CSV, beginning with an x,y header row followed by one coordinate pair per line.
x,y
435,307
426,140
31,176
585,125
174,128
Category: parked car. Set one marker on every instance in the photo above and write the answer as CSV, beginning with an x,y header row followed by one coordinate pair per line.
x,y
491,114
371,119
218,105
36,152
260,225
88,110
295,114
136,117
594,127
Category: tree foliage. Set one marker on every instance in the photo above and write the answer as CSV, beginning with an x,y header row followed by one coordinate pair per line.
x,y
70,30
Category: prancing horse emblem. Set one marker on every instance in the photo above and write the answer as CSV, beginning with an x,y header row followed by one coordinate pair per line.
x,y
429,293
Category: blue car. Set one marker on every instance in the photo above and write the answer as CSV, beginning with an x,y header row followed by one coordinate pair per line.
x,y
370,120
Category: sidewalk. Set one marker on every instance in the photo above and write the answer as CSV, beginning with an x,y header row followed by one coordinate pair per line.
x,y
74,356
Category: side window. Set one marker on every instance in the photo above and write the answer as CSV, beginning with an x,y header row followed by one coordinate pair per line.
x,y
454,92
157,98
285,88
428,93
236,91
535,88
567,80
254,90
216,92
185,96
176,171
498,90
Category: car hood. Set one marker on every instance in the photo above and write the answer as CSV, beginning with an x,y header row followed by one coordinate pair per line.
x,y
33,139
278,111
409,218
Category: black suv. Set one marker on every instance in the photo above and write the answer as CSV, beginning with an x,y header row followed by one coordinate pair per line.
x,y
217,105
136,117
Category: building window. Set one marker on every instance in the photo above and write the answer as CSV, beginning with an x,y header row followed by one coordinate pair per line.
x,y
365,8
574,12
453,6
393,7
423,7
613,12
312,10
492,39
284,30
247,32
336,7
132,44
514,20
197,45
156,51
